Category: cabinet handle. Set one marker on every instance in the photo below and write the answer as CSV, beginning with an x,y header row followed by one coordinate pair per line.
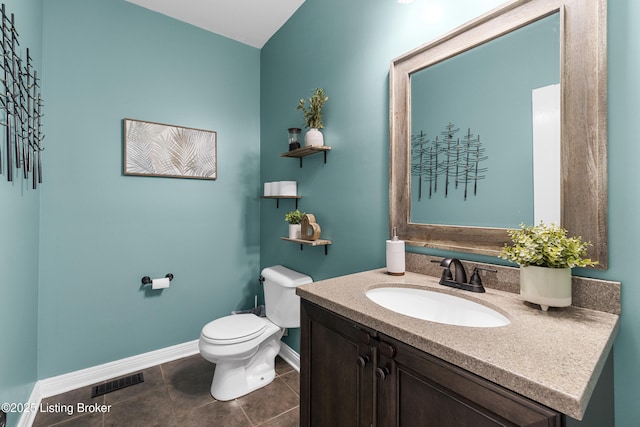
x,y
362,361
381,373
364,336
387,349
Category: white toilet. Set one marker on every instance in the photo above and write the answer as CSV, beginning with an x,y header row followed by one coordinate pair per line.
x,y
244,346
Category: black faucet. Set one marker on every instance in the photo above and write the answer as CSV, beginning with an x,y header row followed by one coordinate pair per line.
x,y
459,281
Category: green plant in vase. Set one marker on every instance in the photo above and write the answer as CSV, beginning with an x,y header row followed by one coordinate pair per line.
x,y
294,218
546,255
546,246
313,117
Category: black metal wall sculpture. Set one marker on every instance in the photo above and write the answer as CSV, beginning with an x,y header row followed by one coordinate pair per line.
x,y
457,161
22,105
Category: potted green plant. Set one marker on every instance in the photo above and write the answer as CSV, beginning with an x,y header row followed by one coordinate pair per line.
x,y
546,255
313,117
294,218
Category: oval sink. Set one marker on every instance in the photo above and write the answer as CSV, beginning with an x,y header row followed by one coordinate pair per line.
x,y
436,307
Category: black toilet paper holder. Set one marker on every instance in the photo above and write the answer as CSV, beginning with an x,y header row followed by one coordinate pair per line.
x,y
146,280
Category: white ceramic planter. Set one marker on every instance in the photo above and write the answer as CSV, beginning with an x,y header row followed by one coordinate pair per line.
x,y
295,231
313,138
549,287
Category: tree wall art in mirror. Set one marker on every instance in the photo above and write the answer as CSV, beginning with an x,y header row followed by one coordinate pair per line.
x,y
583,125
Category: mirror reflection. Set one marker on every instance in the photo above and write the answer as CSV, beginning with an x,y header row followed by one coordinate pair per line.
x,y
582,168
472,130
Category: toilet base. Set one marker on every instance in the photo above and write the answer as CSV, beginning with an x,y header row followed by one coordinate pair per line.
x,y
235,378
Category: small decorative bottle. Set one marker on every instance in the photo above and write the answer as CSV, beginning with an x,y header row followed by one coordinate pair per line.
x,y
294,144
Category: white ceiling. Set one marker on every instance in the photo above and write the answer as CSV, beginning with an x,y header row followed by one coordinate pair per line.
x,y
251,22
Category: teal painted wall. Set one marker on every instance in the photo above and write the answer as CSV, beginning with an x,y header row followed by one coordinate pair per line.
x,y
101,232
19,216
624,199
346,48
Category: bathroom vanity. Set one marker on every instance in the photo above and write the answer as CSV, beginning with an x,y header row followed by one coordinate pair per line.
x,y
364,365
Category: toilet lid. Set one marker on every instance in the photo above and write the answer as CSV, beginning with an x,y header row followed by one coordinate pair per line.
x,y
234,329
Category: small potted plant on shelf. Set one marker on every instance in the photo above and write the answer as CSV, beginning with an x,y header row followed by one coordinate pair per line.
x,y
313,117
546,256
294,218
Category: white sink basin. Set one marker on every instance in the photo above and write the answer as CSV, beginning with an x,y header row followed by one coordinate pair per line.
x,y
436,307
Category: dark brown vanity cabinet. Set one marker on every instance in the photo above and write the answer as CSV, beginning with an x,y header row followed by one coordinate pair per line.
x,y
336,365
354,376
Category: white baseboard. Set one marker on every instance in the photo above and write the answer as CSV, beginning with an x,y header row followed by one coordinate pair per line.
x,y
27,418
290,356
84,377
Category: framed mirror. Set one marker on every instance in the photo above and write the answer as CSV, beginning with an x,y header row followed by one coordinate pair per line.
x,y
582,91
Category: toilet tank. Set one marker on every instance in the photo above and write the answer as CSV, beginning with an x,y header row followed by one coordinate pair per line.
x,y
282,305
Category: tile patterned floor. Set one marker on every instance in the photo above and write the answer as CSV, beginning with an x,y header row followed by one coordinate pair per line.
x,y
177,394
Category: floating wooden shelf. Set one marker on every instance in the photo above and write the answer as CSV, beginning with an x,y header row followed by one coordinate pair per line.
x,y
280,197
301,242
307,151
277,198
300,153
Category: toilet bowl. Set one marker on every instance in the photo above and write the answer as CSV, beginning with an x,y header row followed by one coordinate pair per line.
x,y
245,362
244,346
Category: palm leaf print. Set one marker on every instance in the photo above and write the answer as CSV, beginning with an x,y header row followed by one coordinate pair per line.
x,y
164,150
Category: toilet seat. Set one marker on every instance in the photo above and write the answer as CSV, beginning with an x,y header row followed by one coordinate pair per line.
x,y
233,329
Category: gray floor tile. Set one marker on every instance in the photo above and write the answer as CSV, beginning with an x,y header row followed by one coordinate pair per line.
x,y
187,369
215,414
153,380
292,379
85,420
268,402
189,382
149,409
64,407
282,367
177,394
288,419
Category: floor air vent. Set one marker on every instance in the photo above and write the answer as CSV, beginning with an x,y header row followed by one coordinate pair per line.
x,y
114,385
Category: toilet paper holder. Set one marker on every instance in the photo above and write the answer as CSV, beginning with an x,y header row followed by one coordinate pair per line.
x,y
146,280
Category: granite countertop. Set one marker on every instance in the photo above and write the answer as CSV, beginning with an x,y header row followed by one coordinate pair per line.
x,y
553,357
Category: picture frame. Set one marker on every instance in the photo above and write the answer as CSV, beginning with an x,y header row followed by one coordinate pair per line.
x,y
162,150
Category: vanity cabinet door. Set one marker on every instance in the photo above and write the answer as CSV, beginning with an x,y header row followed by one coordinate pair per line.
x,y
336,370
422,390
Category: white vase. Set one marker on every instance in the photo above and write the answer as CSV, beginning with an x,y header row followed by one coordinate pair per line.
x,y
549,287
295,231
313,138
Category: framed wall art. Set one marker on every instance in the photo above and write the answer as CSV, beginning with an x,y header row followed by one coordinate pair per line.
x,y
156,149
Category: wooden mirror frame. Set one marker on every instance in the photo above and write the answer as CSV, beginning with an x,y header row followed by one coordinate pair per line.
x,y
583,85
